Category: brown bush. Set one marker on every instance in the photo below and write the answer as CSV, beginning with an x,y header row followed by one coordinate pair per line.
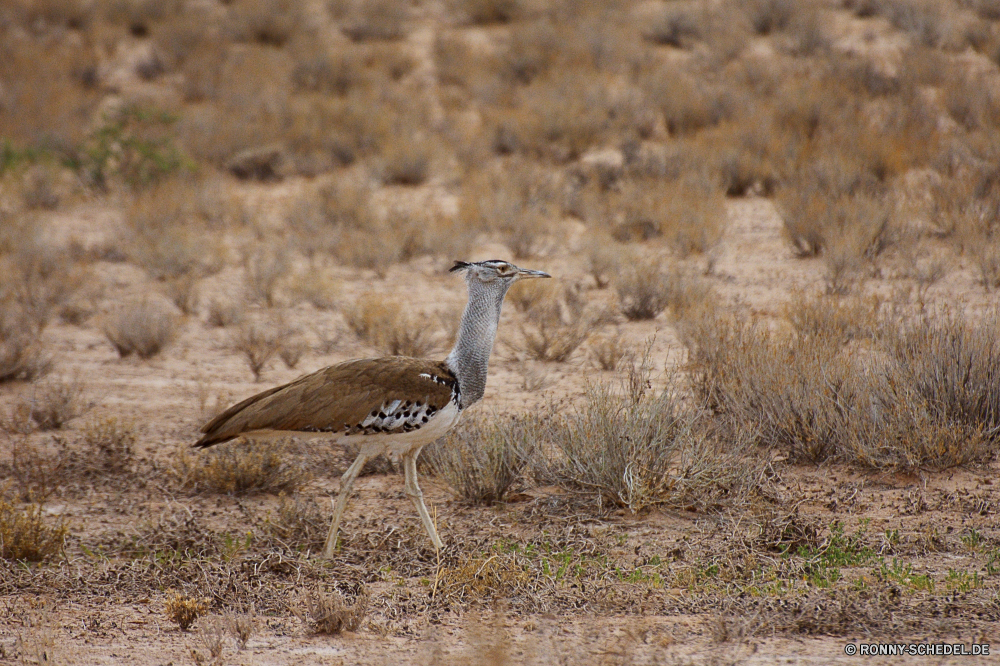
x,y
22,356
240,468
26,535
644,289
170,236
892,403
330,613
55,403
555,327
257,342
143,328
386,326
483,460
376,20
183,610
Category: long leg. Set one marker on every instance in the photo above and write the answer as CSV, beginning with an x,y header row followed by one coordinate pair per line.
x,y
346,481
413,490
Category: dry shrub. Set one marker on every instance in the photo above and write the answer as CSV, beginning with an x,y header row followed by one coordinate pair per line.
x,y
143,328
644,289
610,349
320,288
376,20
257,342
241,468
484,459
183,610
170,232
383,324
556,326
329,613
36,279
406,158
22,356
112,442
184,293
515,203
37,471
225,312
25,535
842,319
297,525
487,12
919,396
604,260
264,269
674,26
242,626
55,403
212,636
636,450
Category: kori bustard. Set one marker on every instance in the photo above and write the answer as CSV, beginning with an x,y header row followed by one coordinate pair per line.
x,y
394,403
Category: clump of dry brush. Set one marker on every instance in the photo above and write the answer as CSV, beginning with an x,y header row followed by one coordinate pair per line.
x,y
627,444
856,387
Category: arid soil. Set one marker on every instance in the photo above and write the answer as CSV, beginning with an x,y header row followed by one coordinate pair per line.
x,y
160,564
116,617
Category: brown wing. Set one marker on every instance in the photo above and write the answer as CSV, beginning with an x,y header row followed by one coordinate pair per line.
x,y
338,398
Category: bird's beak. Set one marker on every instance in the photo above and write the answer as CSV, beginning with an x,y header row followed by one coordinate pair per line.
x,y
525,273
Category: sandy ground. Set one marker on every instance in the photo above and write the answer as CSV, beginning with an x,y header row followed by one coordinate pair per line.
x,y
754,269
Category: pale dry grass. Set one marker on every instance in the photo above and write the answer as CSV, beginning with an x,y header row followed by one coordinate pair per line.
x,y
485,459
385,325
242,467
183,610
329,613
28,535
257,342
144,328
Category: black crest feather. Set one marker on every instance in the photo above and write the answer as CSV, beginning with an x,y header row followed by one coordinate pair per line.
x,y
459,265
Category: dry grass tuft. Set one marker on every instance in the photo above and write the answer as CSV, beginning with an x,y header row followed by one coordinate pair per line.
x,y
331,614
556,325
55,403
112,442
483,460
143,328
257,342
25,536
183,610
609,350
224,313
240,468
242,626
385,325
644,289
22,357
922,395
635,449
297,525
264,270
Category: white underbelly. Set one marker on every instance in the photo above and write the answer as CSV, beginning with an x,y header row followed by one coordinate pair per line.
x,y
400,442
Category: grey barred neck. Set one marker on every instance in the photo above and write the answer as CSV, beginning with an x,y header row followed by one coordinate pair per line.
x,y
470,358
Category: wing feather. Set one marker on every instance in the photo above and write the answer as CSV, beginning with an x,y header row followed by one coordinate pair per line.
x,y
336,398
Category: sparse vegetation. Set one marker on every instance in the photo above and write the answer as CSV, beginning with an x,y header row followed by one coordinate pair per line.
x,y
257,342
801,195
239,468
183,610
28,536
388,327
143,328
330,613
484,461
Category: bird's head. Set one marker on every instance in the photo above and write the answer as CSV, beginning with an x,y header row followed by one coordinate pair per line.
x,y
494,270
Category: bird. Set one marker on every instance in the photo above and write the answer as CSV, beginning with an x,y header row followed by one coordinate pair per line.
x,y
395,404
